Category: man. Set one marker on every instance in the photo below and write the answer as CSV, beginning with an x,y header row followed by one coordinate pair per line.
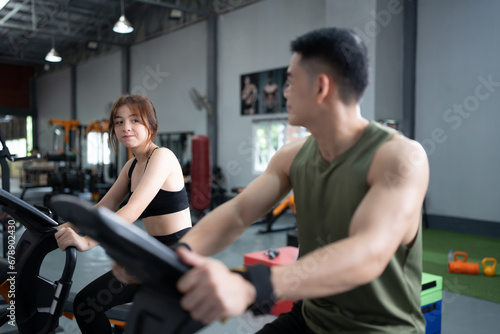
x,y
270,96
248,96
359,189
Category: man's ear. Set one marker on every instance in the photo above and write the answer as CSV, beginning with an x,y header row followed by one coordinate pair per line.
x,y
324,88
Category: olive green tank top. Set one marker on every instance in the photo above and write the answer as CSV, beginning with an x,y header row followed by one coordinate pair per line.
x,y
326,197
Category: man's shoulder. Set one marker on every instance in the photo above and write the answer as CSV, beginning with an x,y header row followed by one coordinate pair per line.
x,y
399,145
285,156
399,156
294,147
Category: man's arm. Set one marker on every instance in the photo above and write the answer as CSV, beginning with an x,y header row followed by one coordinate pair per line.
x,y
388,216
227,222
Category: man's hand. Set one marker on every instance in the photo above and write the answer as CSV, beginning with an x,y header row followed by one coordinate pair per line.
x,y
67,237
211,291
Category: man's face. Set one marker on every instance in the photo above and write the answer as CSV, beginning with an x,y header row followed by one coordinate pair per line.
x,y
298,92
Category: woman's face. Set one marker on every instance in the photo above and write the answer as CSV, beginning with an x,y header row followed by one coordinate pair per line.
x,y
129,129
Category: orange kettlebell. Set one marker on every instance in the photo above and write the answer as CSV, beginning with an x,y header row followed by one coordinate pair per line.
x,y
489,270
461,266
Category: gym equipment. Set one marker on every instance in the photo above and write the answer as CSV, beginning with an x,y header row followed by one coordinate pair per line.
x,y
97,186
278,211
200,189
34,295
461,266
68,125
178,143
4,157
489,270
38,301
156,307
431,302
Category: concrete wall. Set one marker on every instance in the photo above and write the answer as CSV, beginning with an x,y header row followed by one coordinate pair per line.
x,y
98,85
165,69
457,106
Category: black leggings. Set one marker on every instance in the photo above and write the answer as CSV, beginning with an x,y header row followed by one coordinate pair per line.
x,y
105,292
288,323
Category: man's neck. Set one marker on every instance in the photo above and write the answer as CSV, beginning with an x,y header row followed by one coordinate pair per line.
x,y
339,131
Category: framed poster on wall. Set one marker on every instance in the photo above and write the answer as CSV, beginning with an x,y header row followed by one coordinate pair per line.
x,y
262,92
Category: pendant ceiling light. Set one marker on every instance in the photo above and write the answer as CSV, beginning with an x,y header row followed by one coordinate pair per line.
x,y
3,3
123,26
53,56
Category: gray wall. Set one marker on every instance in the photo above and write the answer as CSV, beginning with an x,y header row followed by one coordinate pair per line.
x,y
388,84
98,84
457,111
53,102
165,69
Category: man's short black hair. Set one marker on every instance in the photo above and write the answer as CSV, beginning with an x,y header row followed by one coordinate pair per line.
x,y
343,52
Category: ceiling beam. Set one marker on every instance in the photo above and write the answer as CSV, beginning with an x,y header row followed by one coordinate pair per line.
x,y
57,33
173,6
17,8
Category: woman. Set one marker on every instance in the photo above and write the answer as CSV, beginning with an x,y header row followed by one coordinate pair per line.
x,y
154,181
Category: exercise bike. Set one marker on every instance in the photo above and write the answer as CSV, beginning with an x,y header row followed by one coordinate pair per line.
x,y
156,307
35,303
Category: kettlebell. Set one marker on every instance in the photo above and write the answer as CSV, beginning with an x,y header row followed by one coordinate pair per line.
x,y
489,270
461,266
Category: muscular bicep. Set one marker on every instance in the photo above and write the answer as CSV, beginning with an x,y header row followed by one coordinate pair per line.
x,y
389,215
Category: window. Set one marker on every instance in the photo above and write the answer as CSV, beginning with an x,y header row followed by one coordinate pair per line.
x,y
269,136
98,151
18,134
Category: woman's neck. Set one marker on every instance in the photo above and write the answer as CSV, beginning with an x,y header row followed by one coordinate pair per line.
x,y
142,154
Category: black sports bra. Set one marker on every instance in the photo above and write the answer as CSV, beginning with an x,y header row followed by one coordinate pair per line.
x,y
164,202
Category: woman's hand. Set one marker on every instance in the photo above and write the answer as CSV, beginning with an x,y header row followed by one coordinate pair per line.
x,y
67,237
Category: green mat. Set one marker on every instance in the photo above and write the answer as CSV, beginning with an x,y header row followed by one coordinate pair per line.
x,y
436,245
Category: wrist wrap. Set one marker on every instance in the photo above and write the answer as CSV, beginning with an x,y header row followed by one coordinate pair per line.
x,y
260,277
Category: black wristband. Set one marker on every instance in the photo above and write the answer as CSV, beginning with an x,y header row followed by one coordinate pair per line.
x,y
180,244
260,277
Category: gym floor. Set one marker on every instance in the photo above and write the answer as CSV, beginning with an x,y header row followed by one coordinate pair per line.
x,y
461,314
